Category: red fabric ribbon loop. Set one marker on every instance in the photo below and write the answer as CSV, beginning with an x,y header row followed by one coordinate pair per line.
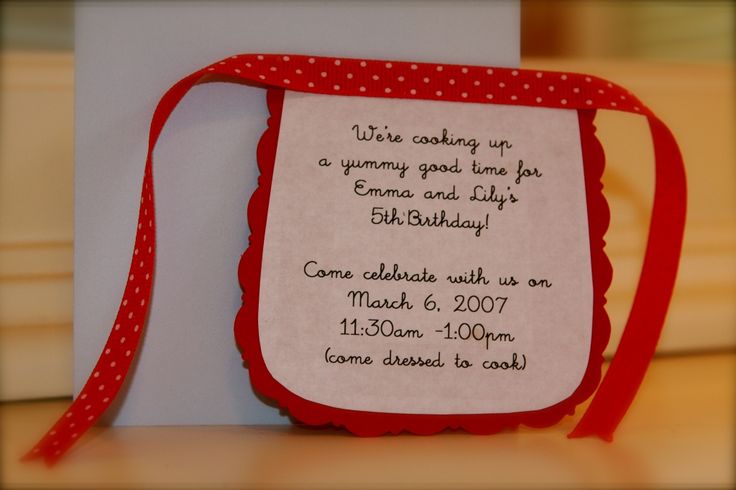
x,y
429,81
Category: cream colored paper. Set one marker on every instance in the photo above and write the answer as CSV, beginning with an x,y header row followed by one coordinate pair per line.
x,y
317,220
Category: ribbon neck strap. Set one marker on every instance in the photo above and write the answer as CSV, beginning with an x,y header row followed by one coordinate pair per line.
x,y
410,81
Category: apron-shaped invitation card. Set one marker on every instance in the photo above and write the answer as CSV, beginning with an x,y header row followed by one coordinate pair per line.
x,y
426,250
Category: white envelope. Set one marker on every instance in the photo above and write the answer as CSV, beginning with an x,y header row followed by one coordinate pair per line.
x,y
128,54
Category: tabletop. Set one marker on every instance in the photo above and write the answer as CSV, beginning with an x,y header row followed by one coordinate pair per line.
x,y
678,433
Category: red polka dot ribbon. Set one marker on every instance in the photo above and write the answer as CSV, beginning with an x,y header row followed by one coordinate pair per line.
x,y
406,80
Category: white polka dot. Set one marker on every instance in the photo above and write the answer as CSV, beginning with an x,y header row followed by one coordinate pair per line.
x,y
262,77
210,69
310,84
248,65
464,70
107,351
338,62
539,99
362,89
451,81
221,63
122,340
425,79
375,77
387,90
149,249
260,57
551,88
90,418
600,91
539,74
118,377
69,415
476,83
501,84
389,65
489,71
514,72
439,68
285,58
106,399
636,109
401,78
136,328
349,75
137,290
323,74
298,71
564,77
130,315
613,104
143,302
438,93
464,95
135,252
113,364
96,374
588,79
117,326
363,64
413,92
72,425
336,87
101,387
526,86
140,264
52,433
623,97
127,353
513,97
273,68
87,407
148,276
489,96
609,85
55,443
287,81
576,90
311,61
140,225
75,435
414,67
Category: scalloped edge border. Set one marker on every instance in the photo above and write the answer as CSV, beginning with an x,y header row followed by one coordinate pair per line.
x,y
364,423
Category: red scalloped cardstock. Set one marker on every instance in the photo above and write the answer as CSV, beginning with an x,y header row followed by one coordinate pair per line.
x,y
369,422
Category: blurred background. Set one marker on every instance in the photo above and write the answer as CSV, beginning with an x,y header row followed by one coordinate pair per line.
x,y
658,30
676,55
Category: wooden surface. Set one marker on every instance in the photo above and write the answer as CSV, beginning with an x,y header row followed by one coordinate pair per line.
x,y
679,433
